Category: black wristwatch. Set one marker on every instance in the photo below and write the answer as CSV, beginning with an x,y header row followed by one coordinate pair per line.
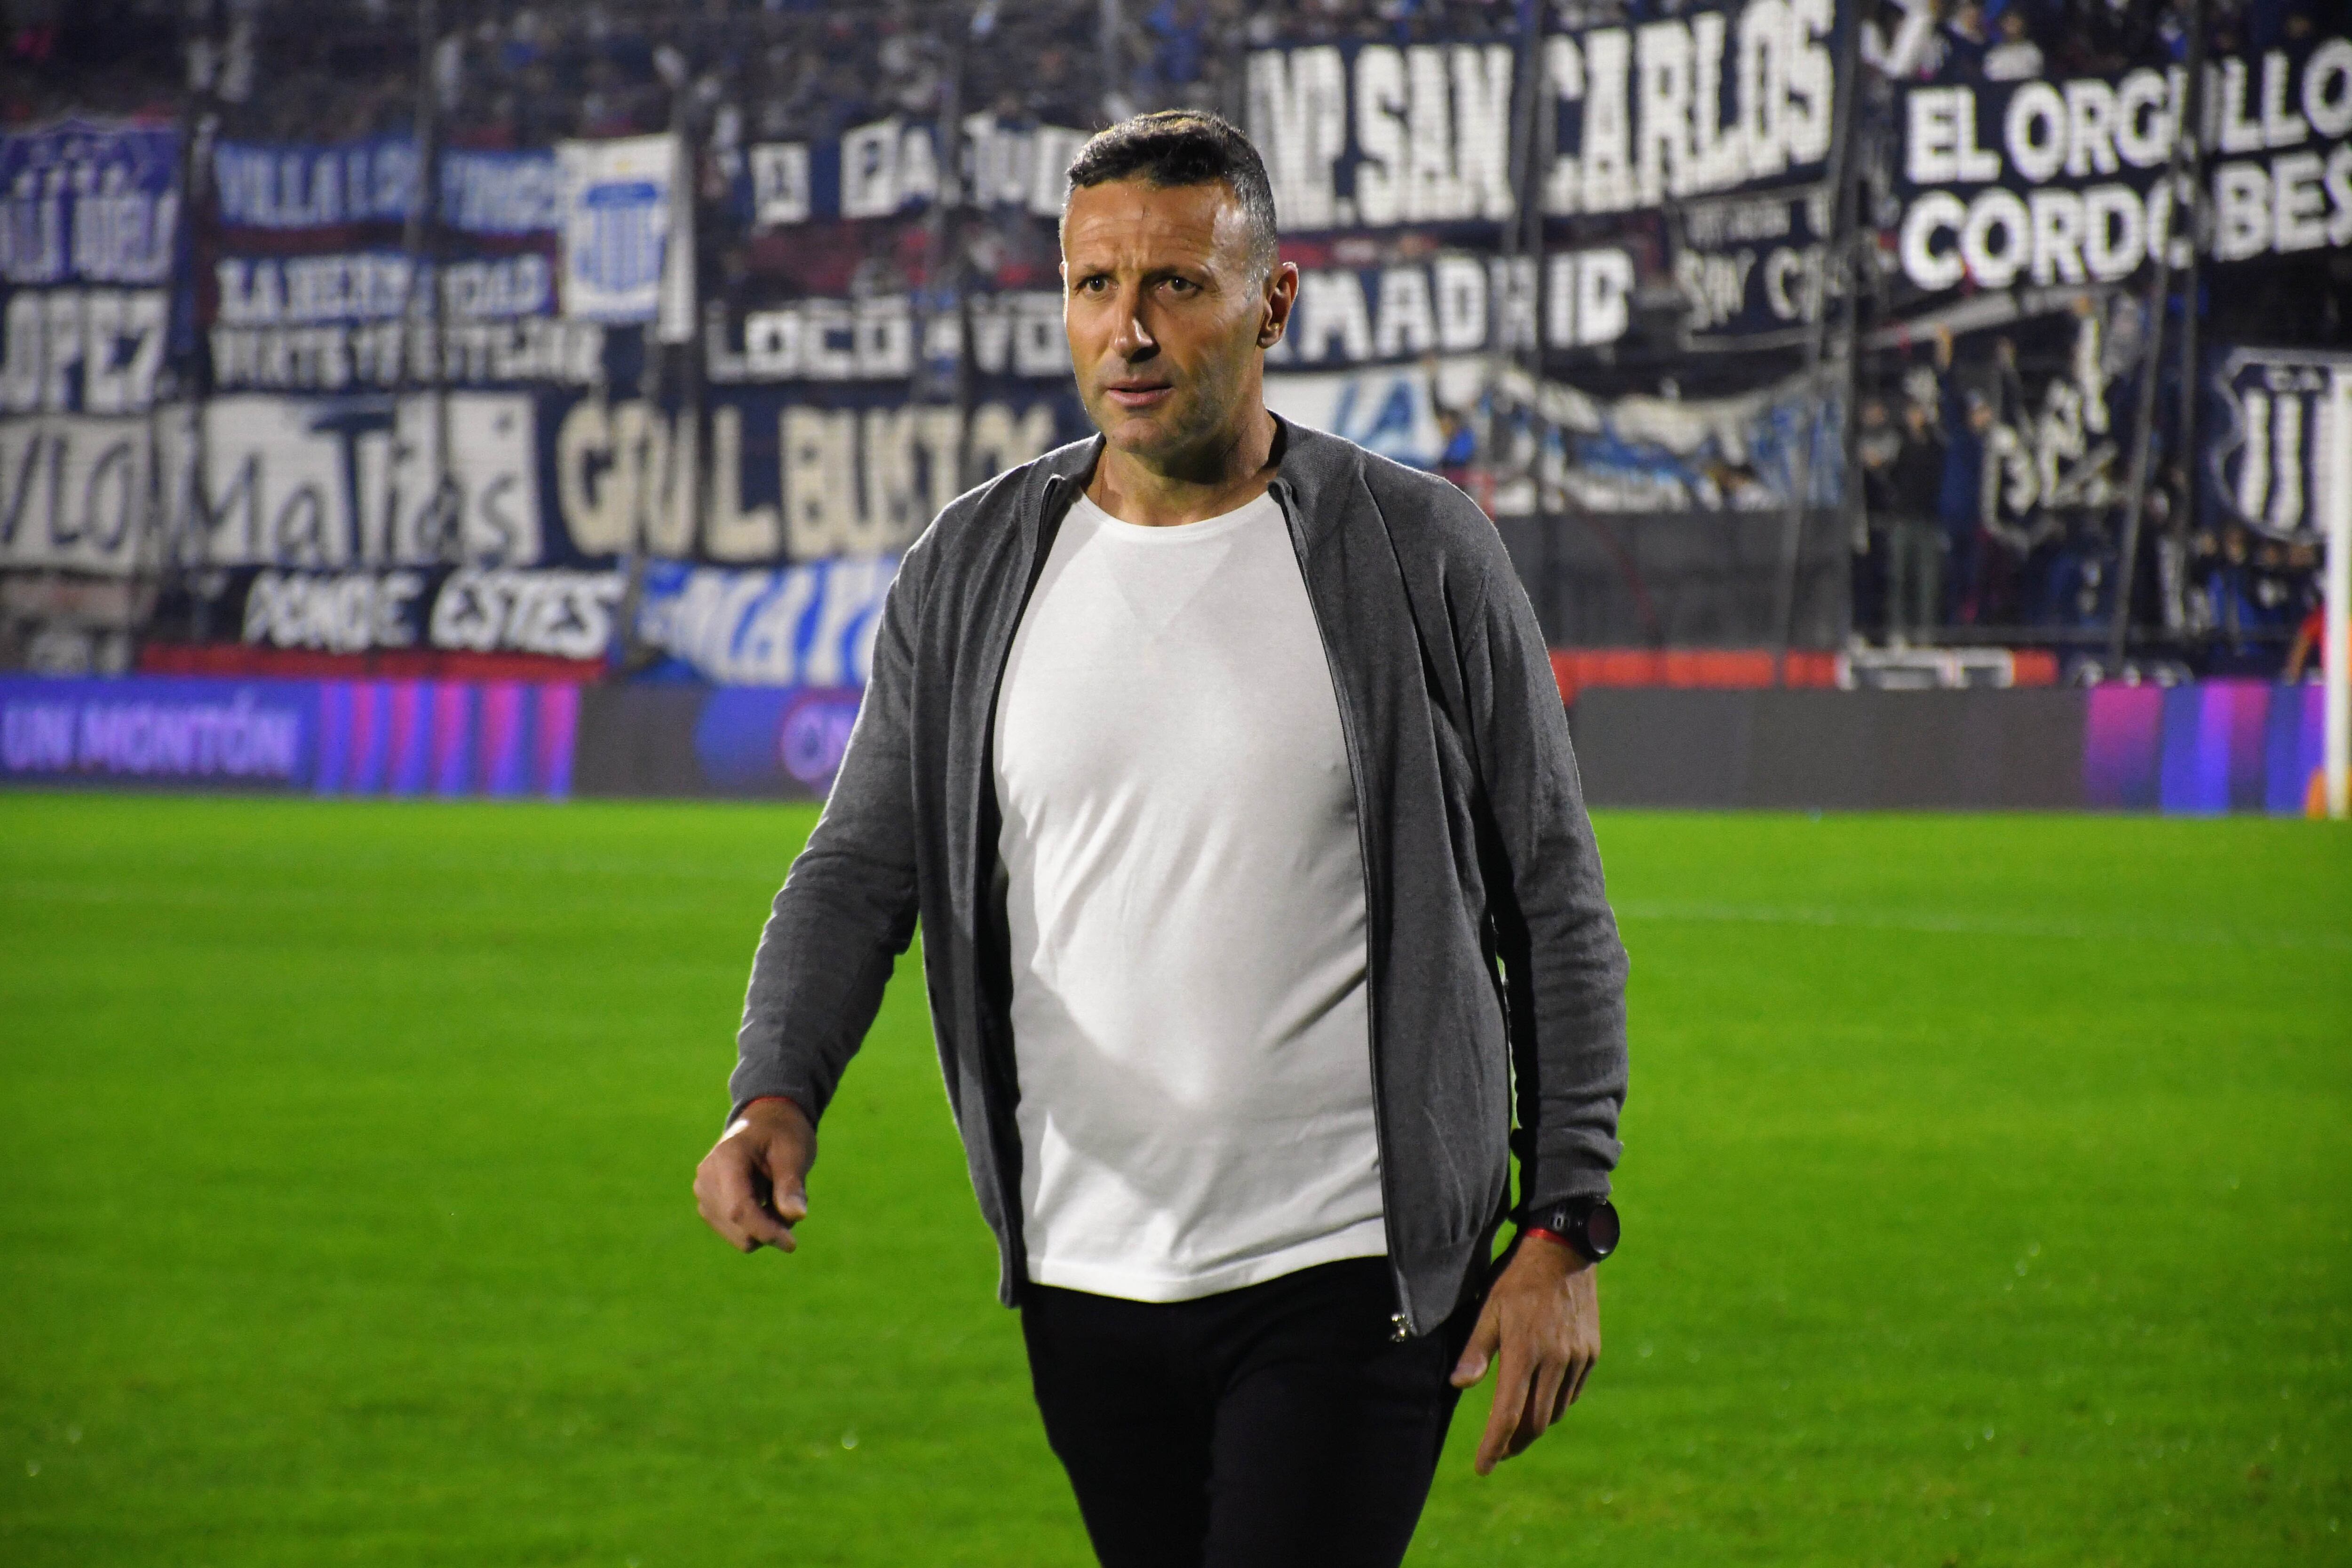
x,y
1588,1225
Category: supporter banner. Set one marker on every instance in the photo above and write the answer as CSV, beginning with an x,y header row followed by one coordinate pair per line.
x,y
1719,99
531,479
307,190
1500,437
561,614
78,493
501,195
90,202
354,287
894,166
2052,182
1394,412
1452,302
1751,268
389,355
800,625
2265,463
618,227
285,315
1456,303
2282,164
304,189
2056,447
1727,454
447,738
799,473
324,483
885,338
83,351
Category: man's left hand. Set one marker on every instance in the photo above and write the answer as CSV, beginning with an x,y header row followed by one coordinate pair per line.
x,y
1542,1323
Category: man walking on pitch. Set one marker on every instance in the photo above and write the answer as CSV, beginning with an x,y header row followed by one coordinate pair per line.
x,y
1224,766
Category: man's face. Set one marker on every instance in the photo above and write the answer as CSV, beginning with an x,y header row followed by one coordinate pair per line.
x,y
1165,315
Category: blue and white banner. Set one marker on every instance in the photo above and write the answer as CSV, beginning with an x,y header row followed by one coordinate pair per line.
x,y
1509,435
297,188
292,188
501,194
619,227
89,202
1454,415
800,625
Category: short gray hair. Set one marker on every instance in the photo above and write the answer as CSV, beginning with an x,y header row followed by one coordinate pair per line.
x,y
1186,147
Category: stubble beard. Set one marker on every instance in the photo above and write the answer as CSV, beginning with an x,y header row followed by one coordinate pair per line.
x,y
1192,427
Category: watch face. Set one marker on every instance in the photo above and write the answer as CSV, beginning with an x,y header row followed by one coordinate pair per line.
x,y
1600,1228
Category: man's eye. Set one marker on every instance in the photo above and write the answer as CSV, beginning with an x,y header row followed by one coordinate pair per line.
x,y
1182,285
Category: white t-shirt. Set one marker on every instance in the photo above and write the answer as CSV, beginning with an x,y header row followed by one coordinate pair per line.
x,y
1184,892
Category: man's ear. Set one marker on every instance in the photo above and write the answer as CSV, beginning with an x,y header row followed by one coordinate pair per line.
x,y
1281,296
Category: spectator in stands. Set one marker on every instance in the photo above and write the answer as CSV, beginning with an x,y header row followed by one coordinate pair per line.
x,y
1460,448
1877,445
1178,46
1960,487
2279,583
1899,42
1963,41
2255,596
2016,58
2107,35
1915,541
2307,654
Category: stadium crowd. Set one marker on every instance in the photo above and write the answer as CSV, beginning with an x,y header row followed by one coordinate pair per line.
x,y
1946,547
1936,550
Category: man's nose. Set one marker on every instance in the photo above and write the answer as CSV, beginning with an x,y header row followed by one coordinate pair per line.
x,y
1133,341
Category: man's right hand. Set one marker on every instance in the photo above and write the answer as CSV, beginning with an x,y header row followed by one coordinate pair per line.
x,y
752,1187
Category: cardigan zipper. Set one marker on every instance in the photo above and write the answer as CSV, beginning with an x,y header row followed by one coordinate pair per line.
x,y
1399,1321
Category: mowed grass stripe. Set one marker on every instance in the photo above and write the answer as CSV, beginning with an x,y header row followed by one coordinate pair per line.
x,y
1987,1201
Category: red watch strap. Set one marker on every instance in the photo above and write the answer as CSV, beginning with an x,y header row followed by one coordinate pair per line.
x,y
1551,1236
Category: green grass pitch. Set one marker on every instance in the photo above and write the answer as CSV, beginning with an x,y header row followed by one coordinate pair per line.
x,y
1988,1200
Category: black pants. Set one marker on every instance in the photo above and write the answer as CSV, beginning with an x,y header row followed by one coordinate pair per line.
x,y
1279,1424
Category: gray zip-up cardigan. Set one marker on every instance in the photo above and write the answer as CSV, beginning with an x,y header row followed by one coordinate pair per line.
x,y
1494,959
